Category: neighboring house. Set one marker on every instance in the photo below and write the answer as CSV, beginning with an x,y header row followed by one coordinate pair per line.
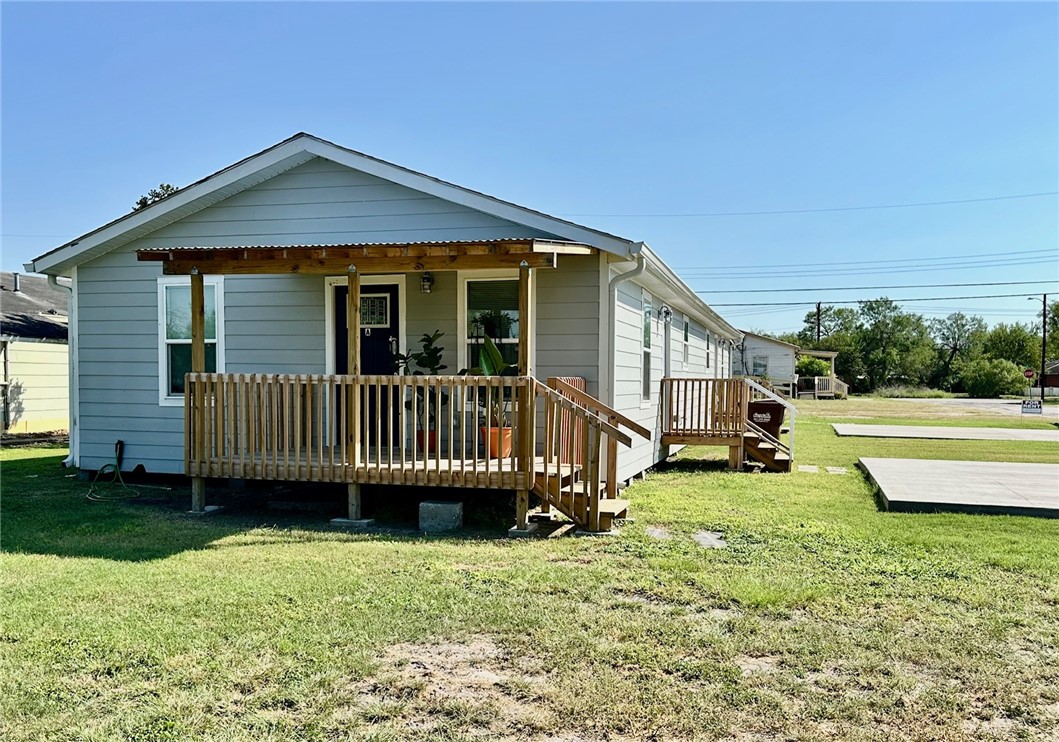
x,y
33,349
761,356
262,268
775,360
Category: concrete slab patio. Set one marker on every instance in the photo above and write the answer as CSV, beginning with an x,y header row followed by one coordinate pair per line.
x,y
945,433
917,485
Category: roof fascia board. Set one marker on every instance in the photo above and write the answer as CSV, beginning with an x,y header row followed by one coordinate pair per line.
x,y
690,302
471,199
57,259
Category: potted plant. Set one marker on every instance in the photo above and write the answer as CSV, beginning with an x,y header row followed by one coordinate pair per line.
x,y
496,434
428,401
495,323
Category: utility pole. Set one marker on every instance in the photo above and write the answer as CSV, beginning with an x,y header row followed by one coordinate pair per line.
x,y
817,322
1044,340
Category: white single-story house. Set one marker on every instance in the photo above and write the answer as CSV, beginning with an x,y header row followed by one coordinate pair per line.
x,y
776,361
241,289
34,356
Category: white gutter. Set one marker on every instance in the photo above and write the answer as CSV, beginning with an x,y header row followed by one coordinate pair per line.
x,y
71,338
612,293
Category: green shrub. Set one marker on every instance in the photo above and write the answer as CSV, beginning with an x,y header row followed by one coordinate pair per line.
x,y
992,378
911,392
809,366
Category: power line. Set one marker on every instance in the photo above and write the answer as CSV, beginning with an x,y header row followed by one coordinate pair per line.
x,y
963,265
1006,253
858,301
873,288
835,208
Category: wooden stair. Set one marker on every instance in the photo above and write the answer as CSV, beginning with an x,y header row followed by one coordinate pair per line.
x,y
568,497
766,452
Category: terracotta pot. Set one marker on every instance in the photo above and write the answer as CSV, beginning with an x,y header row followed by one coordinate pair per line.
x,y
427,441
498,442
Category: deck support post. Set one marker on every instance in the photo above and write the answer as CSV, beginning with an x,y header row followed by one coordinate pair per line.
x,y
525,329
198,366
354,500
525,433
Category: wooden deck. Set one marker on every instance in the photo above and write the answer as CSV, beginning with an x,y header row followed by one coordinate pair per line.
x,y
715,412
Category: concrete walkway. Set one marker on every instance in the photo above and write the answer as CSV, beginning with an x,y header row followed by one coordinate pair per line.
x,y
938,432
917,485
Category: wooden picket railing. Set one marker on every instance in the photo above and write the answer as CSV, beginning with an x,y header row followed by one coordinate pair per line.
x,y
460,431
697,409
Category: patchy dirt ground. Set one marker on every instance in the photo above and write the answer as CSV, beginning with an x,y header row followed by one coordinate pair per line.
x,y
471,689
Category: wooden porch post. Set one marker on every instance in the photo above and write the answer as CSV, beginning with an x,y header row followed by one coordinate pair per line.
x,y
526,423
353,367
198,366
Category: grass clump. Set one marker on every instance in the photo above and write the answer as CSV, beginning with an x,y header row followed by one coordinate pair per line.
x,y
909,391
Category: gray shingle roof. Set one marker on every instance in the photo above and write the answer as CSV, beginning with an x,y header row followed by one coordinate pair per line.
x,y
36,310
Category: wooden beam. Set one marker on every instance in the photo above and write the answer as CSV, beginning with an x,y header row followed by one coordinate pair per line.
x,y
298,263
198,324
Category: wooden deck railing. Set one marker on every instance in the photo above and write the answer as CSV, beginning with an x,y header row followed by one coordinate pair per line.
x,y
702,408
448,430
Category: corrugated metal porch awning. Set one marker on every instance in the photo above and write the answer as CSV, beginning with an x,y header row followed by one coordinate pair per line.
x,y
371,257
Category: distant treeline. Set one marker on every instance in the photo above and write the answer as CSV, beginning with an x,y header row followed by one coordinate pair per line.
x,y
879,344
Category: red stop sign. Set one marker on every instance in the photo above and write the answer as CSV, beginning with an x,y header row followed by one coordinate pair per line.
x,y
1028,373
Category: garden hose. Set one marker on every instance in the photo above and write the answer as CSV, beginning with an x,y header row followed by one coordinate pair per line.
x,y
126,493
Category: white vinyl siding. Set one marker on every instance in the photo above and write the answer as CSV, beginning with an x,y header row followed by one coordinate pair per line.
x,y
38,399
772,358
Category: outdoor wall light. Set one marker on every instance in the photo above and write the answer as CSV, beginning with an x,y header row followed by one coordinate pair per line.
x,y
426,281
665,313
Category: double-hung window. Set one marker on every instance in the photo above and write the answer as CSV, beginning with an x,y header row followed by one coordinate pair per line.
x,y
174,332
492,311
759,366
687,343
709,349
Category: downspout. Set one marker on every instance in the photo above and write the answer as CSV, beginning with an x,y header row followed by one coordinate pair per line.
x,y
641,265
71,352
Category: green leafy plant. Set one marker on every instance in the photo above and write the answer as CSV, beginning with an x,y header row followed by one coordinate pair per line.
x,y
809,366
495,323
985,378
427,362
492,363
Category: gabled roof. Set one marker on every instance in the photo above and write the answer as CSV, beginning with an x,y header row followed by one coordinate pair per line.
x,y
36,311
288,154
770,339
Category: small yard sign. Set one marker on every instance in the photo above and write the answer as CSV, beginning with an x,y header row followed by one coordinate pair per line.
x,y
1031,407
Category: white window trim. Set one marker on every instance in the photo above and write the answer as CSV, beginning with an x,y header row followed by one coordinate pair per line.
x,y
373,280
646,298
685,340
462,278
709,347
177,400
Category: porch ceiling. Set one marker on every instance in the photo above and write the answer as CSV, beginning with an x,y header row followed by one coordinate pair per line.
x,y
365,257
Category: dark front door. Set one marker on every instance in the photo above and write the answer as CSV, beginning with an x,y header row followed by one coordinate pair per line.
x,y
379,323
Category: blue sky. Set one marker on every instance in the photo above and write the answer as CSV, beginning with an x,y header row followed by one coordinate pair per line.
x,y
599,112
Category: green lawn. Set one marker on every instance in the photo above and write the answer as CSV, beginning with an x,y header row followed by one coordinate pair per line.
x,y
823,619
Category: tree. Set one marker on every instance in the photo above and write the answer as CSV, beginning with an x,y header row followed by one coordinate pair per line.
x,y
895,345
155,194
1018,343
992,378
956,337
833,321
